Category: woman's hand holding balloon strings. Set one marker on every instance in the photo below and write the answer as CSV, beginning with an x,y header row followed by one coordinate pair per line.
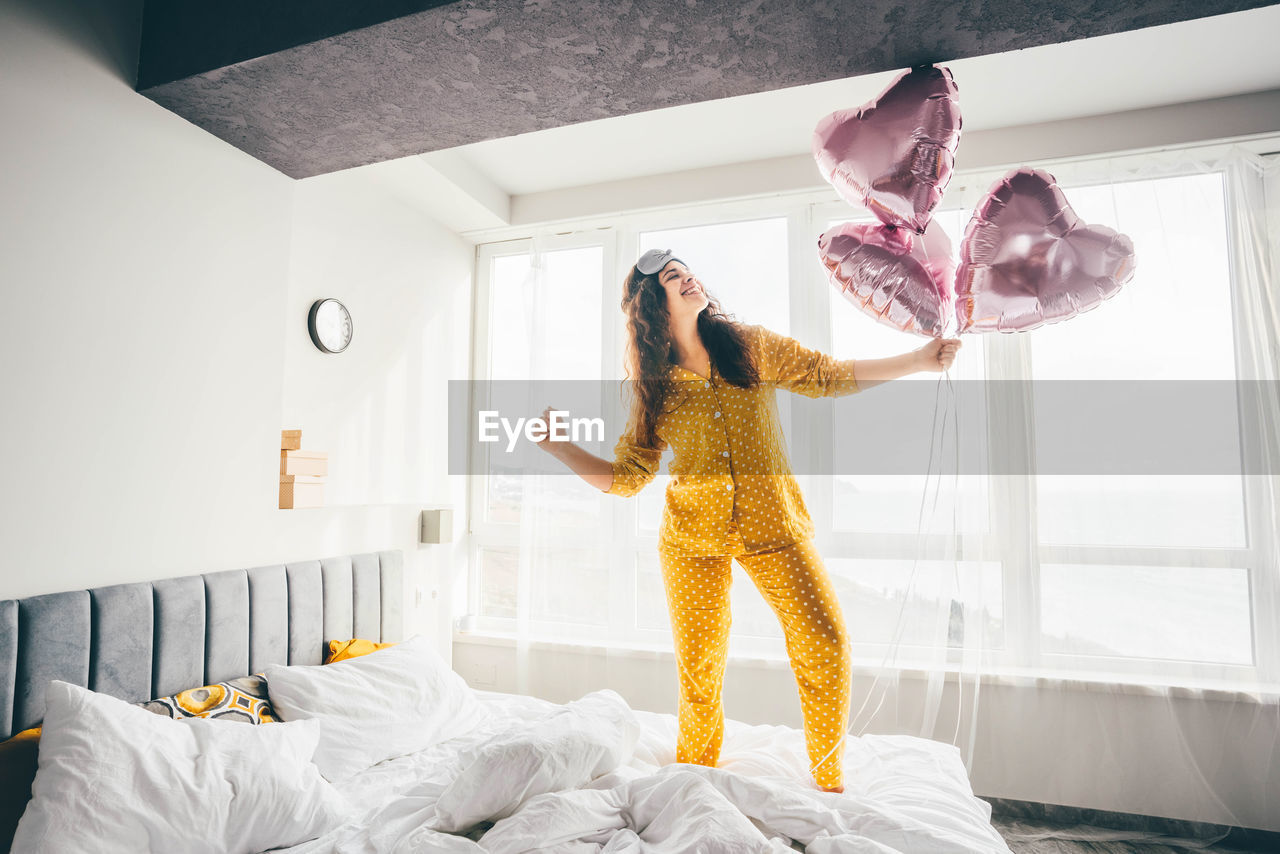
x,y
937,355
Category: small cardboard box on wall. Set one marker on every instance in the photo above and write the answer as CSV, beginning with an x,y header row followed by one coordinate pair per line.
x,y
298,462
301,491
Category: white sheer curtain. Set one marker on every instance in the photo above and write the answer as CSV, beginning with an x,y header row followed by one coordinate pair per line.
x,y
1089,641
570,586
1179,716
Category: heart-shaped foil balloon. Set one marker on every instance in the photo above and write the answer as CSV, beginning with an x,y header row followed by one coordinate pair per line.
x,y
1027,258
895,155
899,278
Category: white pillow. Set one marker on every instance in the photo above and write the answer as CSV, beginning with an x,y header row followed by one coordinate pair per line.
x,y
566,749
116,777
389,703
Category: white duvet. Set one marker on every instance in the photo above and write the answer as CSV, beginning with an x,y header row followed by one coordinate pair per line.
x,y
594,776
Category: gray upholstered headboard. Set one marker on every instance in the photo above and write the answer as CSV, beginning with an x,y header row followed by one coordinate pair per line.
x,y
154,638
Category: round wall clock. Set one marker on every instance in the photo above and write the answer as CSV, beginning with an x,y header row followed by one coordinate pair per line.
x,y
329,323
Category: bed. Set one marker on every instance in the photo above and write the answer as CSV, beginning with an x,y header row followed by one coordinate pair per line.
x,y
456,770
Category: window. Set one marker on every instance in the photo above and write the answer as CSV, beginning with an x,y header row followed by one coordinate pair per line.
x,y
1182,293
567,308
1144,577
543,323
1136,588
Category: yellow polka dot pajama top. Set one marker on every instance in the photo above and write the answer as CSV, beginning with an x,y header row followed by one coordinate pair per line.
x,y
732,495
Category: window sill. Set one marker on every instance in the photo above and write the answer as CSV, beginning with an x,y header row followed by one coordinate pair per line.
x,y
1257,694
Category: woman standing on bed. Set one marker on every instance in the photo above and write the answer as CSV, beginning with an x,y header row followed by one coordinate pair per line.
x,y
705,387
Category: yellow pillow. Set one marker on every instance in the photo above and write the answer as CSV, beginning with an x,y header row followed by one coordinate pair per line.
x,y
341,650
19,758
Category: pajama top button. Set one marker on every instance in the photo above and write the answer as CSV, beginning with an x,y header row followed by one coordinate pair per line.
x,y
717,415
724,454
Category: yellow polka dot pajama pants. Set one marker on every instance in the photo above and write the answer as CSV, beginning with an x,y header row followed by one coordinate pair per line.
x,y
794,582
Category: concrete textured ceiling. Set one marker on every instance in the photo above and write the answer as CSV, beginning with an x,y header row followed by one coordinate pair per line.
x,y
303,91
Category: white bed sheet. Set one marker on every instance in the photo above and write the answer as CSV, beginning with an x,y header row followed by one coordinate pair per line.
x,y
902,794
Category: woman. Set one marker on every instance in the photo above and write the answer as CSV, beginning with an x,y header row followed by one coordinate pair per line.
x,y
705,387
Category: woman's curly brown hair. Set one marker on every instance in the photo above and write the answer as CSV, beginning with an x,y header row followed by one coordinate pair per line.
x,y
651,352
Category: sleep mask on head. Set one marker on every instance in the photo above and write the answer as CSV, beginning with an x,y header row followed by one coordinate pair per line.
x,y
654,260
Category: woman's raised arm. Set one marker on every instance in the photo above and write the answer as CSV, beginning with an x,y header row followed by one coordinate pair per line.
x,y
816,374
936,356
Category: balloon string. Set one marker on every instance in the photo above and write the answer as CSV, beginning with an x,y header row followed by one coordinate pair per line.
x,y
947,310
980,607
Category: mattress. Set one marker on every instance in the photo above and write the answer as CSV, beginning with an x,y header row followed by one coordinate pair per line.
x,y
902,794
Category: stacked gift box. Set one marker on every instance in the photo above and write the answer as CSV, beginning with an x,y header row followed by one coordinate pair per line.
x,y
302,473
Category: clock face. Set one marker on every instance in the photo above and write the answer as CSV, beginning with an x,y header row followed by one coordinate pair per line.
x,y
330,325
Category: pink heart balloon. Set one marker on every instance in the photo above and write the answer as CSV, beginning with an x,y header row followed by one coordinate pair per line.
x,y
895,155
899,278
1027,258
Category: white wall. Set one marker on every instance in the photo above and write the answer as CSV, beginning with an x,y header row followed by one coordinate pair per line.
x,y
380,407
154,334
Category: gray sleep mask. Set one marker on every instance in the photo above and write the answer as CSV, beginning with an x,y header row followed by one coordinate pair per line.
x,y
654,260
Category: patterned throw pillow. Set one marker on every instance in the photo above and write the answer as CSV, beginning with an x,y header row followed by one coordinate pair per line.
x,y
244,700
